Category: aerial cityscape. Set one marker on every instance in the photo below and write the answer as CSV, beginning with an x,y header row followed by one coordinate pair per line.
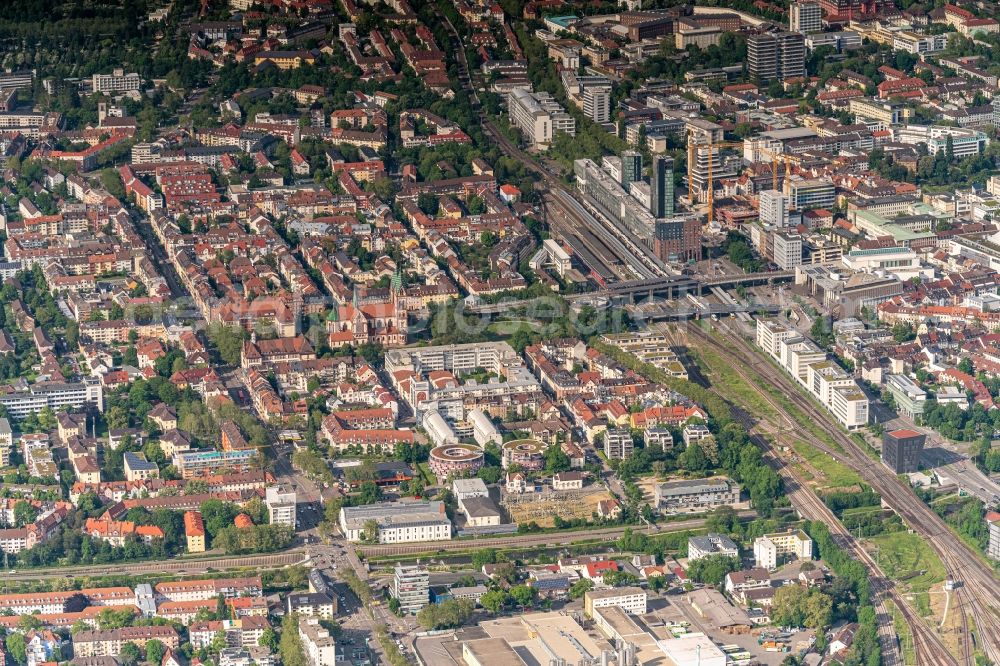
x,y
500,332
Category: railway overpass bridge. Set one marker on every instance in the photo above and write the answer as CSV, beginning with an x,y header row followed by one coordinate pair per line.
x,y
666,312
679,286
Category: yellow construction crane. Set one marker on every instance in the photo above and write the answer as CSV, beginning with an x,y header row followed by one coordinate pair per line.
x,y
775,158
692,155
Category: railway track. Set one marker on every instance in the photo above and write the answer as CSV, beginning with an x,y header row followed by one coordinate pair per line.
x,y
979,590
168,567
927,645
588,248
637,259
529,540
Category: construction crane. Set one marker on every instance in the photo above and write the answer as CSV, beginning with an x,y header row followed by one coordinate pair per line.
x,y
775,158
692,155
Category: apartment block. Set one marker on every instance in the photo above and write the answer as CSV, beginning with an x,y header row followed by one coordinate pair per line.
x,y
711,544
773,208
768,549
770,334
993,547
618,444
885,112
597,103
280,502
55,395
318,645
539,116
192,464
780,55
205,589
961,141
116,82
830,384
695,494
919,44
411,587
787,249
110,643
805,16
194,532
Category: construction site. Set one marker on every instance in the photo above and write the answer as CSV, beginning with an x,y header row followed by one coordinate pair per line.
x,y
543,507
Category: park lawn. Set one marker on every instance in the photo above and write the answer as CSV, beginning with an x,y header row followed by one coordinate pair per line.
x,y
837,474
903,554
730,384
428,476
512,326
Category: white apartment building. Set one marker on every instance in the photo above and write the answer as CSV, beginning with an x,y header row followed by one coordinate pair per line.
x,y
6,441
55,395
824,379
411,587
770,334
787,250
797,354
851,407
618,444
774,206
117,82
397,522
19,119
280,501
597,103
770,547
319,647
964,141
538,116
917,43
711,544
630,599
805,16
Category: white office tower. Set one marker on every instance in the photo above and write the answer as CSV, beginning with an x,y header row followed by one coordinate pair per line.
x,y
774,208
805,16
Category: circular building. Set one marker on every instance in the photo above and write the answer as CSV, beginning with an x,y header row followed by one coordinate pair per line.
x,y
528,453
455,459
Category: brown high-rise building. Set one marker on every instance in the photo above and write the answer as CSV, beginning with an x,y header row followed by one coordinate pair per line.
x,y
678,239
